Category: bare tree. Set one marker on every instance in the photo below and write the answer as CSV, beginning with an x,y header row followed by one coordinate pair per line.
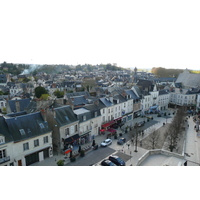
x,y
136,131
153,139
175,130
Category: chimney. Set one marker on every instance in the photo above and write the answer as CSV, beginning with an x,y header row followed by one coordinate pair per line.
x,y
44,114
17,105
96,102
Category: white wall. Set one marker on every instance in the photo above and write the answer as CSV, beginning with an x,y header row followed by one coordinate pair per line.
x,y
19,153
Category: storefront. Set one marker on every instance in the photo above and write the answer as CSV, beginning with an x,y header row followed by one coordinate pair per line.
x,y
108,125
37,156
85,138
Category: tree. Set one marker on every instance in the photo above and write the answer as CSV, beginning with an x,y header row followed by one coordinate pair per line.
x,y
60,163
153,139
39,91
175,130
59,94
44,96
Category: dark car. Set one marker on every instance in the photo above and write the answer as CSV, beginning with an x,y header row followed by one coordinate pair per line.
x,y
121,141
141,123
117,160
107,163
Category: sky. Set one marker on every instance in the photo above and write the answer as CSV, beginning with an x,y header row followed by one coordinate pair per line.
x,y
130,33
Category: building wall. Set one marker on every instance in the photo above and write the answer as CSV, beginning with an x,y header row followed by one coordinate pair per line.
x,y
96,125
9,152
19,153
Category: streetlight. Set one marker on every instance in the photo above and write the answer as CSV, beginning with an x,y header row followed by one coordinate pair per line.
x,y
136,136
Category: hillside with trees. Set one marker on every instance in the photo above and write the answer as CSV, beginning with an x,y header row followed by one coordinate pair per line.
x,y
162,72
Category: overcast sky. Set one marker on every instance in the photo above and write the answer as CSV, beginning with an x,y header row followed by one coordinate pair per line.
x,y
142,33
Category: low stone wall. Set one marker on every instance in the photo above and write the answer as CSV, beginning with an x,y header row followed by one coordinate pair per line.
x,y
157,151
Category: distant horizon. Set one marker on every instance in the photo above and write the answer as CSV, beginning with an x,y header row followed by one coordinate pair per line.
x,y
142,68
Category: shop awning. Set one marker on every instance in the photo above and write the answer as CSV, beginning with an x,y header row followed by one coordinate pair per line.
x,y
68,151
111,130
108,124
102,130
72,138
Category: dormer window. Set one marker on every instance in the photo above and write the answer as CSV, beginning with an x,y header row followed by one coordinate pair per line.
x,y
84,118
1,140
22,131
41,125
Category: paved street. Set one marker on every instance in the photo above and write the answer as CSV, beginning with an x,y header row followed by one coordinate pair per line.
x,y
94,157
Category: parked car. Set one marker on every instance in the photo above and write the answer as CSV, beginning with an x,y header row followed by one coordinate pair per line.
x,y
106,142
121,141
141,123
107,163
117,160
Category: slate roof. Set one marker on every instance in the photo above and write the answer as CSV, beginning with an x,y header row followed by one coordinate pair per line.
x,y
163,92
74,94
133,95
33,125
65,115
4,130
82,112
79,100
188,79
22,102
93,108
106,102
3,78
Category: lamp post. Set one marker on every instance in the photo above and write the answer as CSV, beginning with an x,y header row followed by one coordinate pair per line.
x,y
136,136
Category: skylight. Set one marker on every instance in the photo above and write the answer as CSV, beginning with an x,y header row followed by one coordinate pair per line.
x,y
22,131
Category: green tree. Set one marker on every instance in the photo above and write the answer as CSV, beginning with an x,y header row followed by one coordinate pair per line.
x,y
59,94
39,91
44,97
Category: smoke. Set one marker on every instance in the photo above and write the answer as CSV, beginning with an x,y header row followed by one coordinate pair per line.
x,y
31,68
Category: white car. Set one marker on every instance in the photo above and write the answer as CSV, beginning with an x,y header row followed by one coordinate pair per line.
x,y
106,142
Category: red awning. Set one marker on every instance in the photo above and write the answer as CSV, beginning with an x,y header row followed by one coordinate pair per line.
x,y
111,130
102,130
108,124
68,151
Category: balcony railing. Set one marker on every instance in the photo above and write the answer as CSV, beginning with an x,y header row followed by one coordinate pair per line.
x,y
5,159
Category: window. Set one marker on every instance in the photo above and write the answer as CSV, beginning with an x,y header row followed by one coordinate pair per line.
x,y
2,153
26,146
66,117
76,127
115,108
84,118
72,129
22,131
45,139
95,114
36,143
103,110
67,131
41,125
124,105
108,110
